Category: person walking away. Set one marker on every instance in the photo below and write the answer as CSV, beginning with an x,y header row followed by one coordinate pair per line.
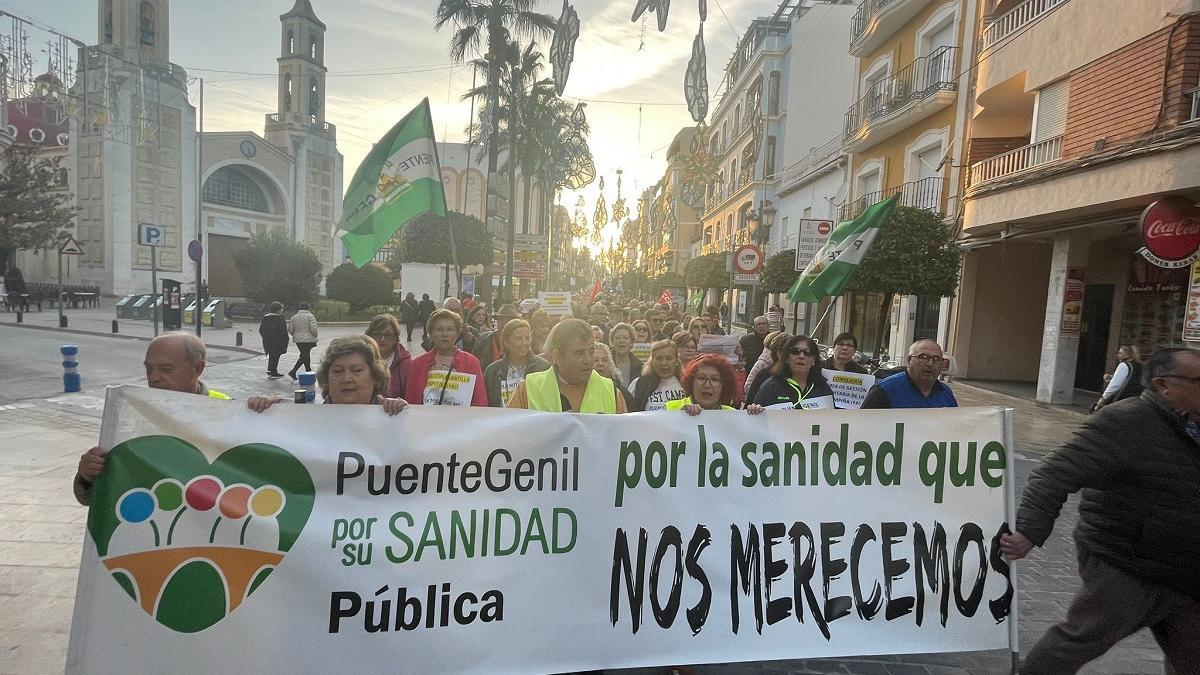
x,y
303,327
410,314
174,362
425,309
796,381
918,385
502,376
430,374
274,333
845,345
659,381
1137,463
384,329
709,384
752,342
571,384
1126,380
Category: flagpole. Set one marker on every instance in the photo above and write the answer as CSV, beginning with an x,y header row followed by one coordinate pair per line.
x,y
823,315
449,226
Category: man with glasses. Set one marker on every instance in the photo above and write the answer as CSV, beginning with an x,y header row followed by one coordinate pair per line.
x,y
918,386
1137,462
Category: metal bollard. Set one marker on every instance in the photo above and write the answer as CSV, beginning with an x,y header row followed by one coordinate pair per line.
x,y
62,321
114,325
71,379
20,317
239,339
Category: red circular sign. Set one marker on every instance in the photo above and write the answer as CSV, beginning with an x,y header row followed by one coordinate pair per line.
x,y
824,228
1171,228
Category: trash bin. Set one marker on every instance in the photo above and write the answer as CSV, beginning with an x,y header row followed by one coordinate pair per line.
x,y
142,307
125,307
214,314
189,313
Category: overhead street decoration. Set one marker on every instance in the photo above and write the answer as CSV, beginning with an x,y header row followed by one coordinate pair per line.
x,y
695,79
562,48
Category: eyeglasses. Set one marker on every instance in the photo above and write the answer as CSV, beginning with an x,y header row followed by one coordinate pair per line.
x,y
926,358
846,344
708,380
380,336
801,352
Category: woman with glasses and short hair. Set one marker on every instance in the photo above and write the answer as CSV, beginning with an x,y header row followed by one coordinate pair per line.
x,y
842,356
384,329
709,384
796,380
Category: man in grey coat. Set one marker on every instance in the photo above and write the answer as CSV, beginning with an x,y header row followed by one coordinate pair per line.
x,y
1137,463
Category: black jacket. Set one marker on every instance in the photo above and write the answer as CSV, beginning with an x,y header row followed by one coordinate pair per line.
x,y
851,366
777,390
274,333
752,348
1139,472
410,311
424,309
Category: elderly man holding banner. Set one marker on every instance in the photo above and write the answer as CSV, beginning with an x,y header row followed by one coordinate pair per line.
x,y
571,384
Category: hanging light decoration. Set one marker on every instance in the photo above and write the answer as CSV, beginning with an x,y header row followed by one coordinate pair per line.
x,y
659,7
600,217
579,228
695,79
562,48
619,210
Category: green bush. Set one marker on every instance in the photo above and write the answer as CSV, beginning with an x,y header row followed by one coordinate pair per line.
x,y
275,268
331,310
361,288
375,310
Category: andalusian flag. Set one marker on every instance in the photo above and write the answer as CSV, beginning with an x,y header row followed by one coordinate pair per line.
x,y
398,181
832,266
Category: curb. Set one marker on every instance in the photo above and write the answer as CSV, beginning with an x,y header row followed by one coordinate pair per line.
x,y
1045,406
78,331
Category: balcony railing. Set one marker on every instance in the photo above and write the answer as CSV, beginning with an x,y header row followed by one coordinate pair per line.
x,y
1018,160
1016,18
917,81
816,157
921,194
862,18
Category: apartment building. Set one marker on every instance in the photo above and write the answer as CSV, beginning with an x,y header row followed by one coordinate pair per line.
x,y
671,225
903,130
1085,112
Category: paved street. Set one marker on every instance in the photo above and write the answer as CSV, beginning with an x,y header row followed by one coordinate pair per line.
x,y
41,527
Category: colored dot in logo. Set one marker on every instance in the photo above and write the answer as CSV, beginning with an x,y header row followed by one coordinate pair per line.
x,y
267,502
235,501
169,494
202,493
136,506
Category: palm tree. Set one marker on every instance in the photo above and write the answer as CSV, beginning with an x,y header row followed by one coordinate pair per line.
x,y
495,21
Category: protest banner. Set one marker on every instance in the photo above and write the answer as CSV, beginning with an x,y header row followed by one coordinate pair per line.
x,y
334,538
849,389
641,350
555,303
442,388
725,345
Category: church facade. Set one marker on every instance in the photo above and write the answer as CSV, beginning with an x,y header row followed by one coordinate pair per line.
x,y
134,157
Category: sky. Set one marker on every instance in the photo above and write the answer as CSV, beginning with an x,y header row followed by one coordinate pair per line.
x,y
384,56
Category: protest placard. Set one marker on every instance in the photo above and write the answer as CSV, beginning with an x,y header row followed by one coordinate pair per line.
x,y
849,389
725,345
334,538
641,350
555,303
457,389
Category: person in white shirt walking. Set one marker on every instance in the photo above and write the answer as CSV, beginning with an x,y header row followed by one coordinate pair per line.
x,y
303,327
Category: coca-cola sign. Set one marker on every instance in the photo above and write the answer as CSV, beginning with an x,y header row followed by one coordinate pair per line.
x,y
1171,232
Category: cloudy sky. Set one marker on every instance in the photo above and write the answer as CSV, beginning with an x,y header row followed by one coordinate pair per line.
x,y
384,56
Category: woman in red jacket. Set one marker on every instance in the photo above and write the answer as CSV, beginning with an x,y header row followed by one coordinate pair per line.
x,y
445,375
385,331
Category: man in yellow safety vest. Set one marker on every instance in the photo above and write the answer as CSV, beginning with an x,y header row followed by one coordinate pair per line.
x,y
571,384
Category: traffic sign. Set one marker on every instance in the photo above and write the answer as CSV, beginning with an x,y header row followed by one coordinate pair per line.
x,y
152,235
747,259
813,235
70,247
195,250
746,278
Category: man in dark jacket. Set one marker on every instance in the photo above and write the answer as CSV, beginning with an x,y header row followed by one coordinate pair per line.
x,y
1137,462
752,342
424,309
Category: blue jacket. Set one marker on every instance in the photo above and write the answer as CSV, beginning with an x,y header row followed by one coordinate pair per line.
x,y
899,391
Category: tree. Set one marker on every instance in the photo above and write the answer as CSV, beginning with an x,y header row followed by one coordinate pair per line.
x,y
34,207
635,281
779,272
495,21
426,240
276,269
707,271
668,280
915,254
371,285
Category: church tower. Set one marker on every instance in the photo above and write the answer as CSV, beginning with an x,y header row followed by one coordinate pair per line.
x,y
136,30
299,129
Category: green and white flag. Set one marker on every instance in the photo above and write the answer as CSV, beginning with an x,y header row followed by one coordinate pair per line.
x,y
398,181
837,260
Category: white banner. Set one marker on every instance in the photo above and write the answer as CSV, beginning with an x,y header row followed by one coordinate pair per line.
x,y
327,538
725,345
849,389
555,303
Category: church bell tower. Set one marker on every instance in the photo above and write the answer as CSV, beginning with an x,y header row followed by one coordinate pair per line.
x,y
302,66
136,30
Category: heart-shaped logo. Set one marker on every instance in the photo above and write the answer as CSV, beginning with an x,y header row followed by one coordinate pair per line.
x,y
189,540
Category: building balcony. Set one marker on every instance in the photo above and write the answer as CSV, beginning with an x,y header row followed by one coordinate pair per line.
x,y
921,194
1017,161
876,20
817,161
1015,19
920,89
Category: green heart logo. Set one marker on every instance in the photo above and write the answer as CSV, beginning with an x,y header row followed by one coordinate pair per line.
x,y
189,541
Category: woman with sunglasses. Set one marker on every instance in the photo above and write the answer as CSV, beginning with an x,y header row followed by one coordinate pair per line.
x,y
796,380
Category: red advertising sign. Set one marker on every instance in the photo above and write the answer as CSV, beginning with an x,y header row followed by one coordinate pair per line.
x,y
1171,232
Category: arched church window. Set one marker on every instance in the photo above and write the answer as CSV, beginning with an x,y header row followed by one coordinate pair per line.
x,y
312,49
314,98
146,24
230,187
108,21
291,42
287,92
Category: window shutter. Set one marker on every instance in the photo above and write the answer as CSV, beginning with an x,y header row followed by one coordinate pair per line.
x,y
1051,118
